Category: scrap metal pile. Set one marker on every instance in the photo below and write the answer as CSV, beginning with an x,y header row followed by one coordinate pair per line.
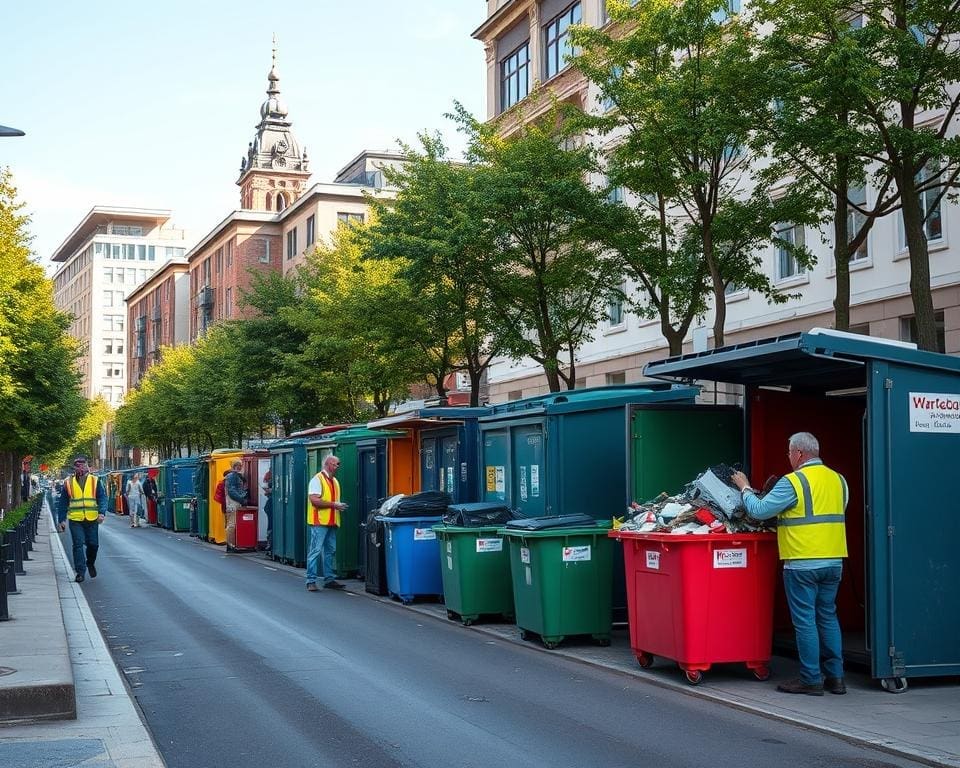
x,y
710,504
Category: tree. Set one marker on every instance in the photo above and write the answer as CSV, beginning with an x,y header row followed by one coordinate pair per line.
x,y
684,88
547,273
97,413
434,232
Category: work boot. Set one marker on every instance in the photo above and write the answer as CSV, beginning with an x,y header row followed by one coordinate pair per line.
x,y
93,570
835,685
79,578
798,686
333,585
312,587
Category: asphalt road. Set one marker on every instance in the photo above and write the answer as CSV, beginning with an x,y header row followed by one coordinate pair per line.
x,y
235,664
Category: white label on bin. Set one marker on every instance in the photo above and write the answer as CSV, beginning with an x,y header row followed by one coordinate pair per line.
x,y
501,473
489,545
653,560
523,483
524,555
449,547
247,517
576,554
933,412
729,558
424,534
449,563
534,480
528,575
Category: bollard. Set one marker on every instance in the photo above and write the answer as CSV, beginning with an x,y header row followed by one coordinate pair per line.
x,y
4,609
17,558
6,539
22,533
27,523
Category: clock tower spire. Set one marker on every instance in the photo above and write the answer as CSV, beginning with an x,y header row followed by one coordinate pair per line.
x,y
274,172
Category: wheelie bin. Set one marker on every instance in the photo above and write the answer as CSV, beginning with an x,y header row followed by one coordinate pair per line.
x,y
181,513
561,578
412,557
701,600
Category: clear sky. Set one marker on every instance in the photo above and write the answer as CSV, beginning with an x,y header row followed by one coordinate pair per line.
x,y
152,104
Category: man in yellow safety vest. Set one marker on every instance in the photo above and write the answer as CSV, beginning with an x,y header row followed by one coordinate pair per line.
x,y
810,505
83,502
323,519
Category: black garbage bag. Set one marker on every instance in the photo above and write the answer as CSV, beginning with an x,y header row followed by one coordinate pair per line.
x,y
423,504
478,514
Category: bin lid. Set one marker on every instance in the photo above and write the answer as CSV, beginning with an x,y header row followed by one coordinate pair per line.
x,y
429,417
578,520
406,520
818,360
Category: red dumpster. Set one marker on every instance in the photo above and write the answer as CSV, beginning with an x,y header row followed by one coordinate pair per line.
x,y
701,599
247,528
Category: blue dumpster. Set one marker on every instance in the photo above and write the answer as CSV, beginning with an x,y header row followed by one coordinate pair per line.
x,y
178,478
413,557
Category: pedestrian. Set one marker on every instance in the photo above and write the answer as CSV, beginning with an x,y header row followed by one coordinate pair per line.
x,y
809,503
323,519
235,495
267,487
151,493
134,494
82,501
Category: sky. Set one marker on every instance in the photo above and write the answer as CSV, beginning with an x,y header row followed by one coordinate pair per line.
x,y
153,104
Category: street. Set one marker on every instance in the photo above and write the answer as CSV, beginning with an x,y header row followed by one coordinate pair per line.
x,y
234,663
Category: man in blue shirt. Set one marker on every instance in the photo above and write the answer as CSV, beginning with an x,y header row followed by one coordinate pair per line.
x,y
809,504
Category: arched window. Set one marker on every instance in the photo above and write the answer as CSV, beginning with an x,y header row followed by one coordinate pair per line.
x,y
269,201
281,201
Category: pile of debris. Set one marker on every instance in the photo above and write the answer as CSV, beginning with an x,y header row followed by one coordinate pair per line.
x,y
710,504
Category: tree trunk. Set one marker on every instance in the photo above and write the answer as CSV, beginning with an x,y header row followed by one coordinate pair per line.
x,y
919,263
841,249
719,294
551,367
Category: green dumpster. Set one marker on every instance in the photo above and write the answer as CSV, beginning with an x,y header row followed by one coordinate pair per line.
x,y
181,513
475,563
561,582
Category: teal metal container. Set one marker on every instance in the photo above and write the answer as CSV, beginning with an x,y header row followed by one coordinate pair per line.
x,y
887,417
288,466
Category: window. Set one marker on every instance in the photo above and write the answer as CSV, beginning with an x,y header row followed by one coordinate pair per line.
x,y
580,383
730,8
515,77
349,218
142,252
855,220
790,237
144,274
219,260
127,230
116,251
606,102
229,251
132,276
615,314
151,253
292,243
118,322
108,298
108,274
929,207
311,230
108,347
205,270
557,40
615,195
109,369
265,255
616,378
515,394
908,330
228,302
118,345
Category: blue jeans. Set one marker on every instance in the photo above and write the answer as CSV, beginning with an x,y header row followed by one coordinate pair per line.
x,y
812,597
86,536
323,541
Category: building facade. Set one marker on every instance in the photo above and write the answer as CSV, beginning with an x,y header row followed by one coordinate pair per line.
x,y
109,254
525,42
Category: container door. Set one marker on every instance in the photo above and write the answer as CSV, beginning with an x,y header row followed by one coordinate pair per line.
x,y
527,470
449,466
429,464
496,461
913,451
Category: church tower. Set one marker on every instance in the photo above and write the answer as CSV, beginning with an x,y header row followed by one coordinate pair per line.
x,y
274,172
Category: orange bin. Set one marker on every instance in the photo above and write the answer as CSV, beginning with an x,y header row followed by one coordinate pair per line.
x,y
701,599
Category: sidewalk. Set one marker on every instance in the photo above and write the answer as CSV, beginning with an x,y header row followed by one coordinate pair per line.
x,y
107,731
922,724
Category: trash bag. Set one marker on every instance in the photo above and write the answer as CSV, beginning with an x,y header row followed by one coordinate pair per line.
x,y
478,514
423,504
578,520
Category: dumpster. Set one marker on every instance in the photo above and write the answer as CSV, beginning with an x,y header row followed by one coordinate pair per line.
x,y
413,557
220,461
701,600
247,517
475,566
887,416
201,485
176,481
561,582
181,513
288,466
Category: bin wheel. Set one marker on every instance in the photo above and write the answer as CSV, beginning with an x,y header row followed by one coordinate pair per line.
x,y
550,644
645,660
694,676
451,615
761,673
894,684
468,621
603,642
526,634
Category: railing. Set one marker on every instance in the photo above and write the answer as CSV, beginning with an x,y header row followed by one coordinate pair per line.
x,y
16,544
204,297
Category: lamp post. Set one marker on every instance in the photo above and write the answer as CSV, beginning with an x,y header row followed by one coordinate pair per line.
x,y
5,131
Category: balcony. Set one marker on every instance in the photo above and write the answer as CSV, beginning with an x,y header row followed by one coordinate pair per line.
x,y
140,324
204,297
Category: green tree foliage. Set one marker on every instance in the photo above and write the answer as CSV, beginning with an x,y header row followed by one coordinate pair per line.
x,y
684,87
97,413
546,270
433,230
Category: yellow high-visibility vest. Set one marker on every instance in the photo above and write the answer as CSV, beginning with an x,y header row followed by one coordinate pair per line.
x,y
83,500
814,526
330,491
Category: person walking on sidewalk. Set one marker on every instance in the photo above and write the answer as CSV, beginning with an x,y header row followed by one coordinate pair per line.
x,y
151,494
135,505
235,496
83,501
323,519
810,503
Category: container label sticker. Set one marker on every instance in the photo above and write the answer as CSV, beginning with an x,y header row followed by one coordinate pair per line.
x,y
933,412
428,458
489,545
730,558
449,563
449,547
424,534
463,471
247,517
491,479
524,554
528,575
451,479
535,480
576,554
501,479
523,483
443,475
653,560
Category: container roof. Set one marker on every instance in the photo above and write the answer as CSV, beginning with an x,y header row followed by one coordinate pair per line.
x,y
592,399
353,434
319,431
427,417
818,360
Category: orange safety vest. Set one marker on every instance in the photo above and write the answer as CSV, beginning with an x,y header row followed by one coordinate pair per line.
x,y
83,500
329,491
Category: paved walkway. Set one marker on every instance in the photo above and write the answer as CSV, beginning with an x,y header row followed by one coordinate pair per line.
x,y
922,724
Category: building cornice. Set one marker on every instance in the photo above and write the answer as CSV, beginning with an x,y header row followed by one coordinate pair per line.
x,y
170,266
256,217
102,214
503,17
